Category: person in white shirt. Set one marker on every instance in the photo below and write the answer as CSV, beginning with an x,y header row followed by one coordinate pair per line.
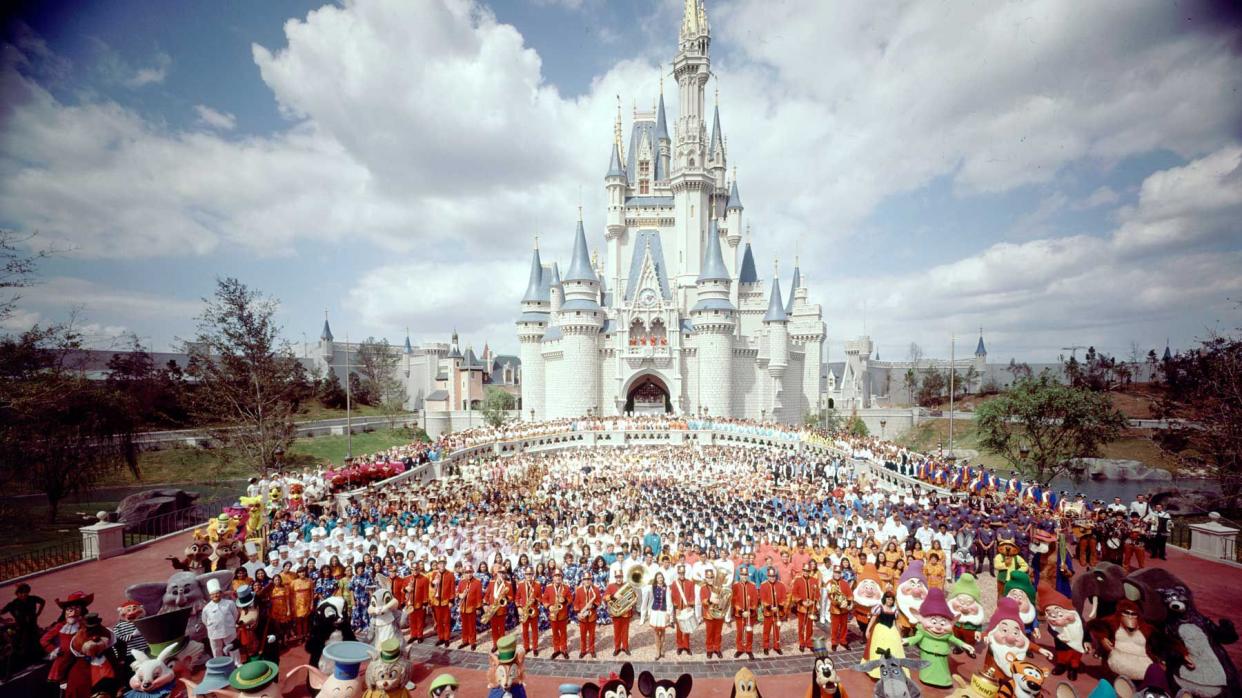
x,y
219,617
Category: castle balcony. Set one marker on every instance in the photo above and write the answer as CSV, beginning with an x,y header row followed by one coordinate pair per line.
x,y
648,355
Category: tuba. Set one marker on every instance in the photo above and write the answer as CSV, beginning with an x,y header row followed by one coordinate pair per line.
x,y
721,600
626,597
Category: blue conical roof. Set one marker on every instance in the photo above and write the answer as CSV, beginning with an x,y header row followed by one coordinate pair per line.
x,y
715,131
748,274
326,335
580,264
409,348
614,165
735,201
776,309
713,260
534,287
980,350
661,122
797,283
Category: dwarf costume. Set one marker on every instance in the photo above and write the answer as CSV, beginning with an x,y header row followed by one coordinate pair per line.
x,y
965,630
1068,642
935,647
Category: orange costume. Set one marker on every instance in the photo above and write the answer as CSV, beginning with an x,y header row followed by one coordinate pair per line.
x,y
557,598
528,594
417,596
773,595
470,595
620,623
805,597
442,586
499,594
282,604
840,605
745,608
586,605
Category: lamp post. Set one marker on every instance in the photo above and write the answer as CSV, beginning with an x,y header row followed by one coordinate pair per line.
x,y
532,414
883,423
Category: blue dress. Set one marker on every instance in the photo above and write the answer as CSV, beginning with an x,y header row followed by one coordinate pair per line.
x,y
544,623
600,581
360,588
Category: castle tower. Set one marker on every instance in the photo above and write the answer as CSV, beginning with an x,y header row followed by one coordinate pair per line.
x,y
733,224
713,318
531,325
777,324
981,363
614,184
692,183
327,348
664,144
580,319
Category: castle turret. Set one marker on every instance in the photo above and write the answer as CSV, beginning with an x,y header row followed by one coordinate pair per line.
x,y
733,224
714,321
663,143
327,348
793,288
981,363
691,182
531,325
580,319
716,161
614,183
777,324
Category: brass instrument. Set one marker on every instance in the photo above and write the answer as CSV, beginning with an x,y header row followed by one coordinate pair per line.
x,y
721,598
493,609
528,608
626,597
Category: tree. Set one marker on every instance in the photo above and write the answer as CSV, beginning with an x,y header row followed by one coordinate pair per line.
x,y
1208,396
1040,425
496,405
377,366
826,419
60,432
155,396
1018,370
911,381
248,378
857,427
17,269
331,394
932,388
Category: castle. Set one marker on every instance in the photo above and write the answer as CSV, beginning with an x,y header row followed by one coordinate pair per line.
x,y
675,319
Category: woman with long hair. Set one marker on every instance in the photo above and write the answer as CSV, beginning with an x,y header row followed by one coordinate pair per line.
x,y
658,610
883,637
599,577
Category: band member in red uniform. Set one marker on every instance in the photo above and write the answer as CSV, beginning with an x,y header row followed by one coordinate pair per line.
x,y
709,599
773,595
683,592
745,608
469,598
805,598
417,598
620,621
443,585
557,597
840,606
527,597
499,594
586,605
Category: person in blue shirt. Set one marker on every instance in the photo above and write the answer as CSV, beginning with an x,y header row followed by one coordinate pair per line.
x,y
650,541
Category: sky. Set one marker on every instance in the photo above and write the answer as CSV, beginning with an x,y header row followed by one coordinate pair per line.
x,y
1056,173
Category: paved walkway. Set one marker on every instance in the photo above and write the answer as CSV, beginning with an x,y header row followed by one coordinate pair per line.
x,y
1216,587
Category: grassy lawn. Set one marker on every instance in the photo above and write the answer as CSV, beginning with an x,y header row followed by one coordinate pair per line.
x,y
315,411
333,449
1134,445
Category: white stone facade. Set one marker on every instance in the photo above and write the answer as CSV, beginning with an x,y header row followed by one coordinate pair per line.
x,y
675,311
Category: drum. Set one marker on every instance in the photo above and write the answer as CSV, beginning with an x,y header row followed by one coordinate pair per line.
x,y
686,622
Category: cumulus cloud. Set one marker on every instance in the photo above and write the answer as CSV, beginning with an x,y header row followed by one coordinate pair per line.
x,y
94,298
150,75
211,118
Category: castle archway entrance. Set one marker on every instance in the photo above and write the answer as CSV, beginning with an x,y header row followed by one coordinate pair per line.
x,y
648,394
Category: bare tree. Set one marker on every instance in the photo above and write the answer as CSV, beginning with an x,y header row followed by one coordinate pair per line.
x,y
17,268
377,367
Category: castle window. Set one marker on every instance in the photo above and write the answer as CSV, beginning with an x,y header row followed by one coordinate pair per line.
x,y
644,173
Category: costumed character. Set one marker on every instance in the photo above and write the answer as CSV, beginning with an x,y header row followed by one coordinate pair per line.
x,y
389,676
1058,565
67,667
651,687
1205,669
329,624
93,643
219,669
1095,595
745,685
228,553
442,686
868,591
1006,642
506,673
911,591
968,613
1007,562
1042,542
182,590
197,555
154,676
1026,680
615,686
257,679
345,679
168,630
1068,632
1019,589
825,682
126,633
894,676
935,639
883,637
251,630
254,515
384,613
1124,642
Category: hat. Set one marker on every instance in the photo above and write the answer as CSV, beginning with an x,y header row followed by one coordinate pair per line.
x,y
245,596
569,689
348,656
1047,596
213,586
164,629
1006,609
1021,581
255,674
914,571
965,584
443,681
77,598
935,605
390,650
506,649
217,676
